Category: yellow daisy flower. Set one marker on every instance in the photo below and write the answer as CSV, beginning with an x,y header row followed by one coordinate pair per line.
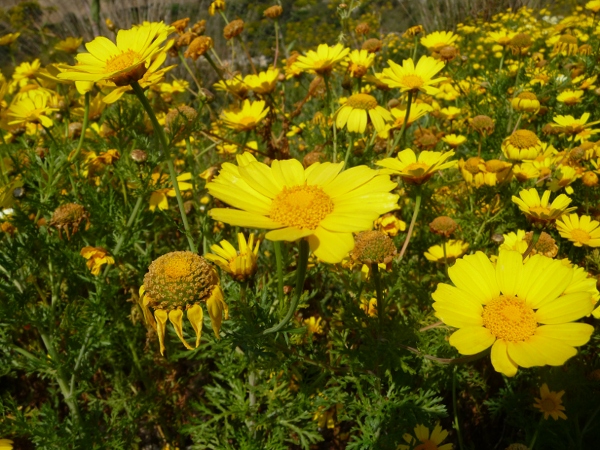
x,y
563,177
417,111
502,37
32,108
422,439
159,197
451,112
454,140
415,170
526,102
550,403
358,62
263,83
454,249
69,45
320,203
540,209
570,125
409,77
235,86
525,171
248,118
9,38
97,257
517,308
240,264
593,6
123,62
323,60
521,145
582,231
569,97
355,113
438,39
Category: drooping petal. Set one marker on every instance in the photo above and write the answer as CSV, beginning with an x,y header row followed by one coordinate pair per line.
x,y
195,316
176,318
501,361
471,340
161,327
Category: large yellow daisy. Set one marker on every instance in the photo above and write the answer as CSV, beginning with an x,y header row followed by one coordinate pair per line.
x,y
320,203
520,309
540,209
355,113
579,230
409,77
123,62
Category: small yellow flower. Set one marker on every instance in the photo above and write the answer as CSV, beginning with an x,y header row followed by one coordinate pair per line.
x,y
240,264
540,209
9,38
521,145
409,77
216,6
570,125
33,108
582,231
550,403
593,6
415,170
248,118
454,140
423,440
526,102
454,249
313,325
358,63
369,306
570,97
159,197
97,257
323,60
355,113
438,39
264,83
390,224
69,45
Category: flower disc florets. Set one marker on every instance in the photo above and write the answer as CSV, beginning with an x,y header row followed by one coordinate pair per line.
x,y
179,279
443,225
373,247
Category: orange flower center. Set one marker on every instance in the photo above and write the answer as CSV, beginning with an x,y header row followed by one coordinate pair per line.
x,y
248,121
362,101
177,267
548,405
524,139
509,318
416,168
123,61
581,236
412,81
427,445
302,207
539,211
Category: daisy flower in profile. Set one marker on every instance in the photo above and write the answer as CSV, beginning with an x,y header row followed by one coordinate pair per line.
x,y
320,203
438,39
323,60
32,108
550,403
521,145
357,110
582,231
240,264
235,86
454,249
123,62
248,118
69,45
96,258
159,197
593,6
408,77
358,62
570,125
454,140
526,102
423,440
519,309
9,38
540,209
570,97
262,83
415,170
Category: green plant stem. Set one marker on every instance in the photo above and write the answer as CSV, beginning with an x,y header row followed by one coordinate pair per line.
x,y
348,151
415,48
502,61
139,92
62,379
300,276
86,118
535,435
276,44
214,66
536,235
328,91
403,129
445,257
411,226
189,70
379,291
455,406
334,142
279,263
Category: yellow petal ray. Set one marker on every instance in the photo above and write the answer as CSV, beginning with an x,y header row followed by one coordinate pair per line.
x,y
501,361
288,172
195,316
242,218
574,334
565,309
471,340
289,234
525,354
476,275
555,352
508,271
161,327
330,247
176,318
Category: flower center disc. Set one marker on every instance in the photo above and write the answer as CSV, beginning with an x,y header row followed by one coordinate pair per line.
x,y
427,445
417,168
412,81
540,210
177,268
248,121
362,101
524,139
123,61
301,206
580,235
548,405
509,318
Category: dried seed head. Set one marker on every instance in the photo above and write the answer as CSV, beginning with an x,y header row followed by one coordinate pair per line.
x,y
448,53
545,245
372,45
373,247
443,225
590,179
362,29
180,24
313,157
199,47
483,124
177,118
233,29
139,156
273,12
68,214
75,129
199,27
179,279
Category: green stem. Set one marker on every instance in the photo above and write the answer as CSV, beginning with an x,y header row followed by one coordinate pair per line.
x,y
189,70
350,146
411,226
328,91
537,431
334,142
536,235
61,379
403,129
279,263
502,61
300,275
416,47
379,291
276,44
86,118
455,405
139,92
214,66
445,257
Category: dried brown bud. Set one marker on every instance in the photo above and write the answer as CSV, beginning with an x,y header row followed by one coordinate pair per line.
x,y
443,225
233,29
139,156
273,12
373,247
180,24
199,47
312,157
448,53
75,129
199,27
372,45
362,29
483,124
